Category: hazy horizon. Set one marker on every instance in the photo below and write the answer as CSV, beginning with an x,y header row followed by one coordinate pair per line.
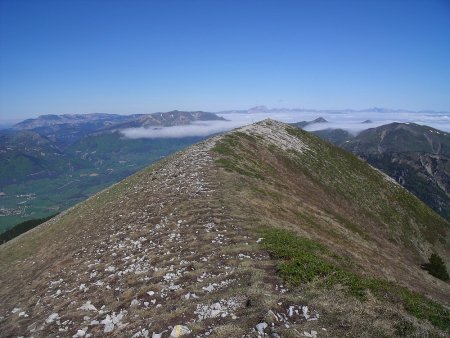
x,y
347,119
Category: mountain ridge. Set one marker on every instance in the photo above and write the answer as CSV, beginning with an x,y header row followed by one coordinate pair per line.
x,y
179,243
51,124
416,156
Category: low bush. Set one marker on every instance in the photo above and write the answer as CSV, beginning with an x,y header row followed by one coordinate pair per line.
x,y
436,267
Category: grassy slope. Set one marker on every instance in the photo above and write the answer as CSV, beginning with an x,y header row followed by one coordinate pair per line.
x,y
380,232
412,152
411,168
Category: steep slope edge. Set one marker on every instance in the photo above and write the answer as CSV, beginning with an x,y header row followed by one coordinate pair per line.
x,y
180,243
416,156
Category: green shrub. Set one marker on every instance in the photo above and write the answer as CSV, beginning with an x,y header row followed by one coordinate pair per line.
x,y
436,267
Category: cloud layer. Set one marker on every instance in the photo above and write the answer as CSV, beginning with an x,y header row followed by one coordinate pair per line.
x,y
348,120
201,129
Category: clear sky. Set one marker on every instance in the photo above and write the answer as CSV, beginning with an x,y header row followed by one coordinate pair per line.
x,y
146,56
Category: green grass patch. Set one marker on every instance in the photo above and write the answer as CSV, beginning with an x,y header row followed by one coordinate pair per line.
x,y
232,166
303,260
229,147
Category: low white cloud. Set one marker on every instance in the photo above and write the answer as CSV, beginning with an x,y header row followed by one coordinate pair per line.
x,y
353,122
347,120
201,129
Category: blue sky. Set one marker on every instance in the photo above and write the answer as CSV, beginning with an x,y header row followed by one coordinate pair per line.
x,y
147,56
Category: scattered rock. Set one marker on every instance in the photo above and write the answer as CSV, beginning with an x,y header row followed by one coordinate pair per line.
x,y
261,327
143,333
80,333
179,330
113,320
50,319
109,325
305,312
311,334
88,306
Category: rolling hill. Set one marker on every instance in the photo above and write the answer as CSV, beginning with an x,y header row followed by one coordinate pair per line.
x,y
265,230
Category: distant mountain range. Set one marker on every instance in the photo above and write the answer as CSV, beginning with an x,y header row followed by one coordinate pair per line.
x,y
66,129
264,109
54,161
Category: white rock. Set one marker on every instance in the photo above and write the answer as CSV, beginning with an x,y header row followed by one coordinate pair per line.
x,y
261,326
208,288
305,312
142,333
80,333
88,306
109,325
179,330
52,318
190,295
312,334
291,311
135,302
174,287
16,309
150,293
118,318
